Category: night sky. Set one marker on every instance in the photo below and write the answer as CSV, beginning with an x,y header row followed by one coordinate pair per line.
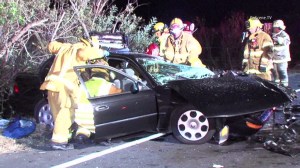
x,y
215,10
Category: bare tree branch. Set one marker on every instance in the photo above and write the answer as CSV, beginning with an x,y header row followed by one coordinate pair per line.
x,y
19,35
57,26
79,18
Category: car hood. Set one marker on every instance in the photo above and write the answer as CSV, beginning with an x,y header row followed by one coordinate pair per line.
x,y
230,95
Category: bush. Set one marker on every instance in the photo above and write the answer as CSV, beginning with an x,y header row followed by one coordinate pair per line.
x,y
26,27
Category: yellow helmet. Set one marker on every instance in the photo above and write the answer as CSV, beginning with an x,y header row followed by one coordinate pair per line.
x,y
93,41
176,22
160,26
279,24
253,22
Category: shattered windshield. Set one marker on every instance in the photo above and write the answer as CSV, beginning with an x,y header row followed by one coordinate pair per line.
x,y
163,72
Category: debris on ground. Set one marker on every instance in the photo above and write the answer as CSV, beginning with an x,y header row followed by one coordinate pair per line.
x,y
19,128
3,123
37,140
287,143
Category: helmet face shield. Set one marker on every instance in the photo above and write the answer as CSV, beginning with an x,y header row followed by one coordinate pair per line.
x,y
176,30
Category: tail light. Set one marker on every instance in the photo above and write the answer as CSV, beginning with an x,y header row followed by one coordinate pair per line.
x,y
16,88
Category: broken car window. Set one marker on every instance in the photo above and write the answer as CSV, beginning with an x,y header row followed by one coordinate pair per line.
x,y
163,71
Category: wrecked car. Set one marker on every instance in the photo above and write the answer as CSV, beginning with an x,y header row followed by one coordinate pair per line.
x,y
157,96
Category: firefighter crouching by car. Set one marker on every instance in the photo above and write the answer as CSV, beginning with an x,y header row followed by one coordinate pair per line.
x,y
182,47
63,85
258,51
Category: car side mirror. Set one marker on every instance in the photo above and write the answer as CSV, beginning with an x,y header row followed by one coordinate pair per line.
x,y
134,88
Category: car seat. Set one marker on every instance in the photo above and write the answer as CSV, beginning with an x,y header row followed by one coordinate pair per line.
x,y
127,83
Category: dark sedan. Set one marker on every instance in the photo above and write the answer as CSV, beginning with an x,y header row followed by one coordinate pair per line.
x,y
159,96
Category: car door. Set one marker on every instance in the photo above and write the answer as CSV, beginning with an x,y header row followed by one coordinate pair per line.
x,y
118,113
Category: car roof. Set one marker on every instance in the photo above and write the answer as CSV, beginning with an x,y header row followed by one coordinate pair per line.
x,y
131,55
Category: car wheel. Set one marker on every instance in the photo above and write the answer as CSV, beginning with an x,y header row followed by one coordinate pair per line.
x,y
43,115
190,126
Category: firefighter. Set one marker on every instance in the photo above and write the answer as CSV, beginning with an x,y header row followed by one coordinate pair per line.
x,y
63,85
189,27
161,32
258,52
182,47
281,52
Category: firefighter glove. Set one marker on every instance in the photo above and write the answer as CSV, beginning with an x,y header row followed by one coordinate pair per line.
x,y
106,53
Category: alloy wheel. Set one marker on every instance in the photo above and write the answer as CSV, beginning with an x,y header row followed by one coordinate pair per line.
x,y
193,125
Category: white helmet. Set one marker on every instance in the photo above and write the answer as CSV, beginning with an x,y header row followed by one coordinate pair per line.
x,y
279,24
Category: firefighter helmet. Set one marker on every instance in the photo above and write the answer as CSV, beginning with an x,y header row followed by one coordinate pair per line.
x,y
253,22
92,40
188,26
176,27
159,26
176,22
279,24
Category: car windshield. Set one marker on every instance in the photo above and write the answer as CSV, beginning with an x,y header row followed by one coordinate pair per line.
x,y
163,72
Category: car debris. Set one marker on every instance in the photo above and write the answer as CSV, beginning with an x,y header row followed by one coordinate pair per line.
x,y
282,133
287,143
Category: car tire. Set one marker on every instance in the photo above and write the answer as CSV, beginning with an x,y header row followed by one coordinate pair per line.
x,y
190,126
42,113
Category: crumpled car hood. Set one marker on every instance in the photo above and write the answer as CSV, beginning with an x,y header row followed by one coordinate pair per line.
x,y
230,95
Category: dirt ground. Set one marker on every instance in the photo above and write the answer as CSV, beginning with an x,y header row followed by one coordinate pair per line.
x,y
38,139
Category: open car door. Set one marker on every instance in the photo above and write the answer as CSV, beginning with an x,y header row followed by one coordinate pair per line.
x,y
121,104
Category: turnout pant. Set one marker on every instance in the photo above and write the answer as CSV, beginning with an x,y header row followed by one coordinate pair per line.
x,y
62,108
280,73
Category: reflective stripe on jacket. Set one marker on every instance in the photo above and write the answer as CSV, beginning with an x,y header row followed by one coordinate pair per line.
x,y
281,47
258,51
184,50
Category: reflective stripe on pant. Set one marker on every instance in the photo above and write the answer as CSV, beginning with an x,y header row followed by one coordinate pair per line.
x,y
84,117
63,113
280,73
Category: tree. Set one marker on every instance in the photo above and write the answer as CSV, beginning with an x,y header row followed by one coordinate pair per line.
x,y
231,30
27,26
